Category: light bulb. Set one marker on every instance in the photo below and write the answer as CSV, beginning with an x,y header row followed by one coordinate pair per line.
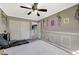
x,y
35,11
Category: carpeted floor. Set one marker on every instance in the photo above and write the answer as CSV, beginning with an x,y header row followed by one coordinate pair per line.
x,y
37,47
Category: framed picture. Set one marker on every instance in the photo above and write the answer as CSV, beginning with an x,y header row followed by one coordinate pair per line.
x,y
66,20
52,22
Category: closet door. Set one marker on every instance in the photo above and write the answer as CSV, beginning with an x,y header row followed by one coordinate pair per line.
x,y
25,30
19,30
15,31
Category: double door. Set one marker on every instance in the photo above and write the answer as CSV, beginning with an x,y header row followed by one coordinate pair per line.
x,y
19,29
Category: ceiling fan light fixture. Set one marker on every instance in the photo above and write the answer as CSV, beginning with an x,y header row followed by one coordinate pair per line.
x,y
35,11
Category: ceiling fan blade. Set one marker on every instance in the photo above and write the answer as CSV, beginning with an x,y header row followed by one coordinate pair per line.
x,y
44,10
25,7
38,14
29,13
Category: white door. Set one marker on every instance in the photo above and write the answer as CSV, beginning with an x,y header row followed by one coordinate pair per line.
x,y
15,31
25,30
19,29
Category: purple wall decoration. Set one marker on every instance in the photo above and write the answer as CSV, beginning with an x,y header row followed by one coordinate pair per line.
x,y
52,22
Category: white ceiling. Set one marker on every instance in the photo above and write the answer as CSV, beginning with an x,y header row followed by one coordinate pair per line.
x,y
13,9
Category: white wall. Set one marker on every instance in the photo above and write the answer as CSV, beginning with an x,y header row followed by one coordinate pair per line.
x,y
2,21
19,29
65,35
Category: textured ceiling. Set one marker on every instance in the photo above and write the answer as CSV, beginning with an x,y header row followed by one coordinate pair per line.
x,y
13,9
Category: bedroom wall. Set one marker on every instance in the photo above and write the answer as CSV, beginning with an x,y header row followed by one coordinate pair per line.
x,y
72,26
18,28
62,31
3,21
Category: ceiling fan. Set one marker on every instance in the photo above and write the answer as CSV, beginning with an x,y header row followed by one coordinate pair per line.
x,y
34,8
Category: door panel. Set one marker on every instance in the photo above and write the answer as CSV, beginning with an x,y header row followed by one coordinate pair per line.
x,y
19,29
